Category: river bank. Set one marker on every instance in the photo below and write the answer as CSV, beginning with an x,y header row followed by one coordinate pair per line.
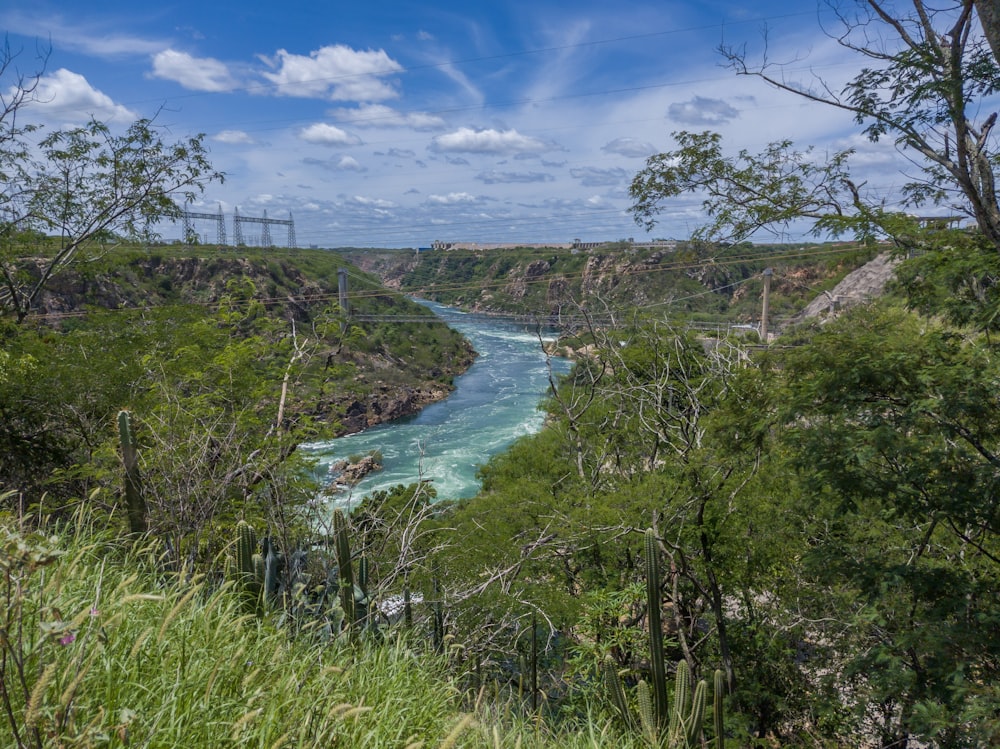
x,y
492,404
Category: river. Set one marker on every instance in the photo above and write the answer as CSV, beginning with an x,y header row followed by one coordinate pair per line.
x,y
494,402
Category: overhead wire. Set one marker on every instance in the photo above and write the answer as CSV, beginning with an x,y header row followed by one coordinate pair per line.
x,y
535,315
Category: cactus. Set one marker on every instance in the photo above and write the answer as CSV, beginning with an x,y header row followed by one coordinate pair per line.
x,y
134,502
342,549
662,725
437,634
274,562
534,662
653,605
249,580
407,604
718,692
686,718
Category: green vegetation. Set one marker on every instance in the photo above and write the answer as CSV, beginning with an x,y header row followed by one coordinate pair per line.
x,y
816,523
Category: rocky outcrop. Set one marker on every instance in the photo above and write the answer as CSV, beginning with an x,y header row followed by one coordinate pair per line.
x,y
347,473
858,286
388,404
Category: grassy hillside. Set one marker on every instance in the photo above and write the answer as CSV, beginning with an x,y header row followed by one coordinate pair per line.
x,y
103,649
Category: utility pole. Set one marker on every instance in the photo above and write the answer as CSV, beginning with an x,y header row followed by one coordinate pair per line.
x,y
345,310
766,306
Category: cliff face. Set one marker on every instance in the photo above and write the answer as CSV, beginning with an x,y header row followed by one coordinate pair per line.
x,y
715,283
858,286
377,373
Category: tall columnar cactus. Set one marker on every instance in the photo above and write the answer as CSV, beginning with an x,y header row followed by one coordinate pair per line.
x,y
653,606
437,634
342,549
718,692
661,724
135,503
249,578
685,725
273,563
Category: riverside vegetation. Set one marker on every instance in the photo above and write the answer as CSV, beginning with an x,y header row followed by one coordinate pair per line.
x,y
810,522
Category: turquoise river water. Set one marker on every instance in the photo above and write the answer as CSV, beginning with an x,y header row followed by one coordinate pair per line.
x,y
494,402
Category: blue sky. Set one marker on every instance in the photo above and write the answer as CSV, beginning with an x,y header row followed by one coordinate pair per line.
x,y
392,124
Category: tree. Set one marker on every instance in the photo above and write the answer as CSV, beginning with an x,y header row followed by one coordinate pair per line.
x,y
926,82
79,185
749,192
891,422
989,16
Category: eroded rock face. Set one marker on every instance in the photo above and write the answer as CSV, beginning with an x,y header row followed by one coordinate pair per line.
x,y
348,474
388,404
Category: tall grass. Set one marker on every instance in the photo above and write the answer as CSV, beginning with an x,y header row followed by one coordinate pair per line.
x,y
100,647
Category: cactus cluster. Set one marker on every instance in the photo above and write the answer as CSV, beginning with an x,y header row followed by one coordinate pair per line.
x,y
270,581
680,725
353,590
257,571
135,503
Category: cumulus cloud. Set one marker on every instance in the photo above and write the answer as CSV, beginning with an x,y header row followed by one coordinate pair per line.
x,y
334,72
496,142
593,177
379,115
494,177
629,147
350,164
232,136
341,164
328,135
366,202
194,73
68,96
702,111
453,198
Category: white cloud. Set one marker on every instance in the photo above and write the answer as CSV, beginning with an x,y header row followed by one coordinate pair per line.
x,y
233,136
193,73
336,164
350,164
379,115
497,142
328,135
334,72
372,202
91,38
631,147
68,96
701,110
452,198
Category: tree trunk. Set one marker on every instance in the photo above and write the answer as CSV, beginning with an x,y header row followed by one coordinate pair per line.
x,y
989,16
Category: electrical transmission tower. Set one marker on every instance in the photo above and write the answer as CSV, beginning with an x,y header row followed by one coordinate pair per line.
x,y
220,225
267,223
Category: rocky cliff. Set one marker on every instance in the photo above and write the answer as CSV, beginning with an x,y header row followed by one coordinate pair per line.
x,y
376,373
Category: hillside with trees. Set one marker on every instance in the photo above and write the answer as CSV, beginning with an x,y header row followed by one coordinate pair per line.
x,y
707,283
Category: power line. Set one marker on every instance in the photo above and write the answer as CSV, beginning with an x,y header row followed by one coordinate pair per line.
x,y
382,292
